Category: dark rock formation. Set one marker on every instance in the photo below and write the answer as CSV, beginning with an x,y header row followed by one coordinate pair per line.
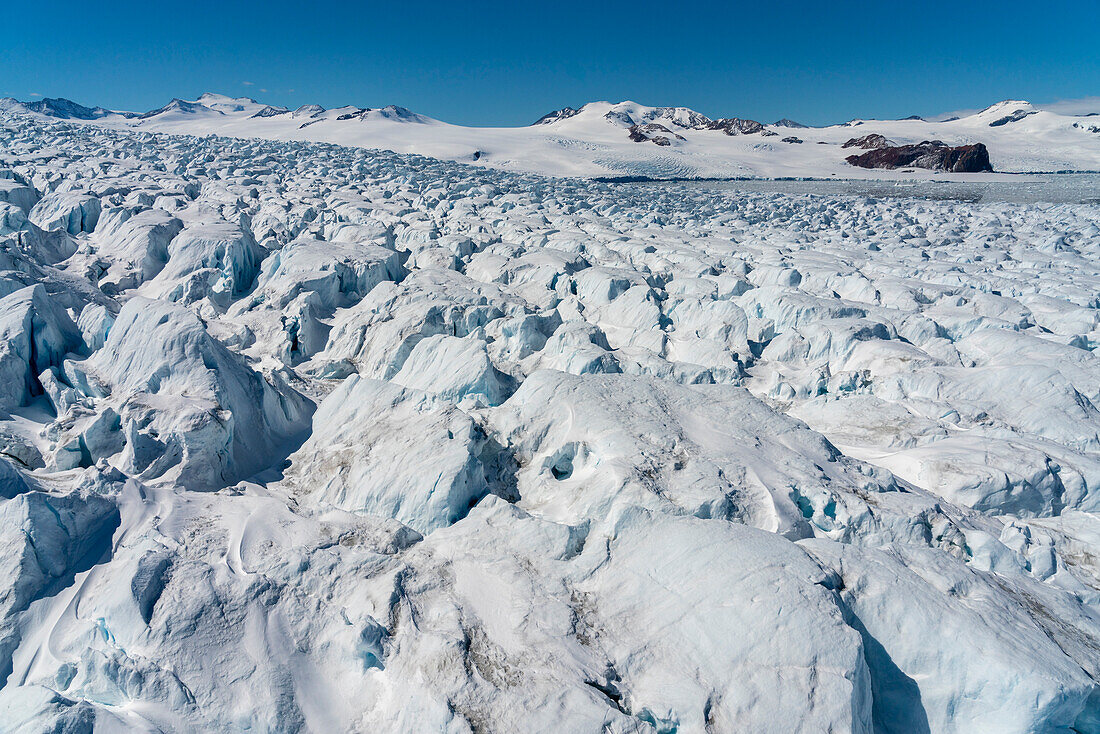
x,y
736,126
309,110
651,133
931,154
1014,117
563,114
787,123
792,139
681,117
868,142
269,111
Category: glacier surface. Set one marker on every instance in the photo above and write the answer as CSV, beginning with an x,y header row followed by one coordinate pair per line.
x,y
307,438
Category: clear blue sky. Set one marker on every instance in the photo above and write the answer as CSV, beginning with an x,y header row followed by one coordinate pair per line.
x,y
496,63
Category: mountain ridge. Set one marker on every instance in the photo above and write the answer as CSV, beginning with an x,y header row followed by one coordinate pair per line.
x,y
601,138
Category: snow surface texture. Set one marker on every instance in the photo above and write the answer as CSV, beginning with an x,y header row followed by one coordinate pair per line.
x,y
308,438
602,139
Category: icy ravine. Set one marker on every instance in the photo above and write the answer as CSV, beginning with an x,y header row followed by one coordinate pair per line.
x,y
309,438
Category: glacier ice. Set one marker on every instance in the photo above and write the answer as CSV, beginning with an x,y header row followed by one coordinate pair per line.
x,y
182,402
35,334
300,437
359,430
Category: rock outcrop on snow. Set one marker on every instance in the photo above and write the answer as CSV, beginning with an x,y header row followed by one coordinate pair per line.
x,y
874,141
298,437
737,126
934,155
653,132
563,114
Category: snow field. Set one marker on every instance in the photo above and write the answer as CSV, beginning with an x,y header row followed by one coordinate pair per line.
x,y
300,437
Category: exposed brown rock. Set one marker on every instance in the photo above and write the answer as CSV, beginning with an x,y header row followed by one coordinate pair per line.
x,y
931,154
867,142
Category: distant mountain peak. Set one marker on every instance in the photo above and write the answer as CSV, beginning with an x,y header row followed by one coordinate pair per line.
x,y
396,112
551,117
1009,111
214,97
630,115
389,112
269,111
183,106
308,110
64,109
1007,105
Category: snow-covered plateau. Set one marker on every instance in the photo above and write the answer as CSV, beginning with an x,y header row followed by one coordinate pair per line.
x,y
297,437
624,140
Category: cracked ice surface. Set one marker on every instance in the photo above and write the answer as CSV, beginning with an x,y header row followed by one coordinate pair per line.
x,y
308,438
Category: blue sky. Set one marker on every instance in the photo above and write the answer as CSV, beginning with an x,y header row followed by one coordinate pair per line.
x,y
496,63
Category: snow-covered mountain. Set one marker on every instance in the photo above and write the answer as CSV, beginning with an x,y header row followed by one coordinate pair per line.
x,y
627,139
62,109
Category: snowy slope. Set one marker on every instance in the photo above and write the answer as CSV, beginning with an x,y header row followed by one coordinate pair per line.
x,y
595,140
306,438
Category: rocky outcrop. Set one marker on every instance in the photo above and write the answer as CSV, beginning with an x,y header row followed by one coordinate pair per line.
x,y
1016,116
873,141
737,126
389,112
682,117
931,154
563,114
645,123
269,111
308,110
651,133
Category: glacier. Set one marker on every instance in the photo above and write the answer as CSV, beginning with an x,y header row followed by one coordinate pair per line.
x,y
299,437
